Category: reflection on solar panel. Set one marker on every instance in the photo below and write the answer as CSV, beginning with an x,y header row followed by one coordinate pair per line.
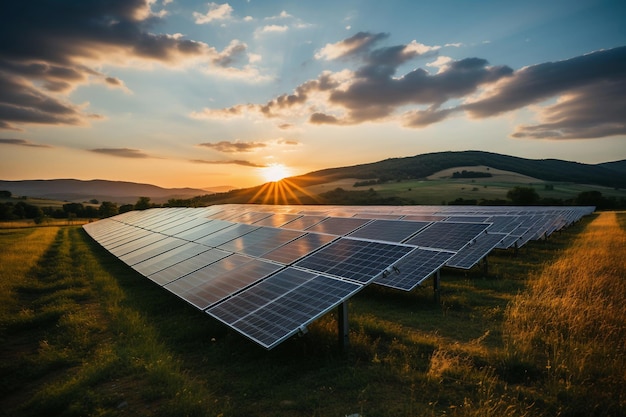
x,y
220,280
389,230
447,235
337,225
281,305
303,222
267,271
471,254
261,241
298,248
358,260
187,266
414,269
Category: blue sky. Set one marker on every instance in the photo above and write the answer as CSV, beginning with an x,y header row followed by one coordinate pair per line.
x,y
203,94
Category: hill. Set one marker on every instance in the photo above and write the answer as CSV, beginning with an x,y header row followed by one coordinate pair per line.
x,y
422,166
102,190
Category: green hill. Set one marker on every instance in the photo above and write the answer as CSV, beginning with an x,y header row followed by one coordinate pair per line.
x,y
421,166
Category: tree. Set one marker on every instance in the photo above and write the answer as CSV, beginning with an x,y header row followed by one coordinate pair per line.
x,y
523,196
143,203
5,194
107,209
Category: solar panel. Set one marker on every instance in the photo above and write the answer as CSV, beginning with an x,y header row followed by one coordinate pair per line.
x,y
389,230
187,266
169,258
358,260
298,248
227,234
260,241
301,223
413,269
279,307
267,271
447,235
337,225
151,250
471,254
219,280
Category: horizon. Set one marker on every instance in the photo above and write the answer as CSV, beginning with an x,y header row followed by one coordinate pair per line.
x,y
187,93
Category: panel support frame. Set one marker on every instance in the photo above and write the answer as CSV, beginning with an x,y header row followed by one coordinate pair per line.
x,y
437,286
343,330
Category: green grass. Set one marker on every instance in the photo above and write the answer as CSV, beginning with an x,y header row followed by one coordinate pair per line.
x,y
84,335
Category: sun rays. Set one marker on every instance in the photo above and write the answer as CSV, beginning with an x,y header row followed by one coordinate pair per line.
x,y
284,191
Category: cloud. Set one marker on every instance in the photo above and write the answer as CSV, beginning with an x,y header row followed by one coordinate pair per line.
x,y
281,15
271,29
589,90
59,49
22,142
360,42
122,152
233,147
216,12
594,111
229,162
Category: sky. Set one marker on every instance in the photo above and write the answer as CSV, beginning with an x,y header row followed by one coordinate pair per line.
x,y
186,93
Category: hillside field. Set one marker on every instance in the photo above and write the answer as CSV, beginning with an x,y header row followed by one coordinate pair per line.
x,y
82,334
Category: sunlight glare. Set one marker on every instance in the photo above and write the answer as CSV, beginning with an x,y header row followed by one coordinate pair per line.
x,y
275,172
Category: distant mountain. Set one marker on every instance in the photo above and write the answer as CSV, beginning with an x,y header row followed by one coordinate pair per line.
x,y
617,166
421,166
102,190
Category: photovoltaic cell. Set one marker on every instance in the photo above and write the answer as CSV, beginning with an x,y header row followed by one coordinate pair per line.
x,y
450,236
282,304
413,269
298,248
389,230
358,260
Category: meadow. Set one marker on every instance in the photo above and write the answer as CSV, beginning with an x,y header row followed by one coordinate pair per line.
x,y
542,334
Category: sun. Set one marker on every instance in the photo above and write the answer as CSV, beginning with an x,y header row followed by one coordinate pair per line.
x,y
275,172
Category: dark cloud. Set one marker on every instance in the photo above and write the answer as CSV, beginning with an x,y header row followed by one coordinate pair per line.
x,y
50,47
22,142
594,111
355,45
229,162
539,82
233,147
122,152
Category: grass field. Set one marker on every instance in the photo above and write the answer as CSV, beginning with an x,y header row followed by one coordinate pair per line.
x,y
543,335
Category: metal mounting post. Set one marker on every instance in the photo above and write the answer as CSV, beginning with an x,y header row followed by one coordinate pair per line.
x,y
436,286
342,324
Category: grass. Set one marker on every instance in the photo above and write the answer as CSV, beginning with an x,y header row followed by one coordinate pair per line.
x,y
84,335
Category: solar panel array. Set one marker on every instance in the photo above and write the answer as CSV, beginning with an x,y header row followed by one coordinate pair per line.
x,y
269,271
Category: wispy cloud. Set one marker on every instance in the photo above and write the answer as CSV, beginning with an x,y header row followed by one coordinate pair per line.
x,y
233,147
22,142
229,162
122,152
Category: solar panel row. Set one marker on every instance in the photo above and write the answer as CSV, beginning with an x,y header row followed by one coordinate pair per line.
x,y
268,271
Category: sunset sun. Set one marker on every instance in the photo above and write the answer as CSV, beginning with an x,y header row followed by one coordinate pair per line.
x,y
275,172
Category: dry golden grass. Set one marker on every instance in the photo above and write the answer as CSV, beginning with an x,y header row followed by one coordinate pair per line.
x,y
572,320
